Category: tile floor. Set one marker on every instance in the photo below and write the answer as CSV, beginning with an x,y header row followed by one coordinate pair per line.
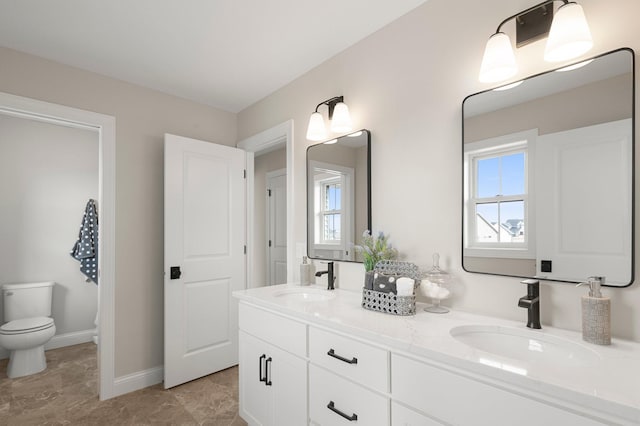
x,y
66,394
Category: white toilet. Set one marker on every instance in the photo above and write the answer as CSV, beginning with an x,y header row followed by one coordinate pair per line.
x,y
28,326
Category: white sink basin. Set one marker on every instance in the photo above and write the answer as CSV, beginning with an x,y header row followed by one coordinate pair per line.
x,y
528,346
301,294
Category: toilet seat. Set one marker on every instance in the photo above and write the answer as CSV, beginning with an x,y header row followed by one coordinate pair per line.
x,y
26,325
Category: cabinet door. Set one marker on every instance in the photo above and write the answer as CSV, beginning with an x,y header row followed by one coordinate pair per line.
x,y
255,406
288,377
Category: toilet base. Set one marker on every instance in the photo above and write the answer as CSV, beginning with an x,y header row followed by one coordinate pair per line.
x,y
24,362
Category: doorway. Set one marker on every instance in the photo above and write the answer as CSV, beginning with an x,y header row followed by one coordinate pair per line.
x,y
273,139
104,126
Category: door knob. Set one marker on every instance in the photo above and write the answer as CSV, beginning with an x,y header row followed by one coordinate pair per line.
x,y
175,273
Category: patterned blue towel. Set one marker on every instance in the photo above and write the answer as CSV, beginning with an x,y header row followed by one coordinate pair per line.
x,y
85,249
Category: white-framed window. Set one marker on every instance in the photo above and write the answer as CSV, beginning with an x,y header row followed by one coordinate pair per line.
x,y
331,217
330,211
498,207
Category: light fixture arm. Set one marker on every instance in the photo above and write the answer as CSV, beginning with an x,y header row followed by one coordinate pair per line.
x,y
532,8
331,103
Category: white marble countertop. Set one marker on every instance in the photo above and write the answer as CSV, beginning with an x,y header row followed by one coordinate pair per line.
x,y
611,384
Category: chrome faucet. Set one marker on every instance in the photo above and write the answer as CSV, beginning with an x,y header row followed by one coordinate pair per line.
x,y
532,302
331,279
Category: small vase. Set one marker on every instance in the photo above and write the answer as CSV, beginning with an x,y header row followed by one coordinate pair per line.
x,y
368,280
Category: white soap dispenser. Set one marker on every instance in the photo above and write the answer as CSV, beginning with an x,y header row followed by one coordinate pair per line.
x,y
596,314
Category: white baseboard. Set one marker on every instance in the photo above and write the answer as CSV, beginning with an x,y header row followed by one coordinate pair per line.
x,y
138,380
70,339
62,340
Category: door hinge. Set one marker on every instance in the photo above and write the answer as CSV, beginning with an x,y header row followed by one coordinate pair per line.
x,y
269,243
244,174
269,192
245,249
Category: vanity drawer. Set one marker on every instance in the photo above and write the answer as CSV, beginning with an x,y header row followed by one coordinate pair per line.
x,y
345,397
457,399
347,357
403,416
285,333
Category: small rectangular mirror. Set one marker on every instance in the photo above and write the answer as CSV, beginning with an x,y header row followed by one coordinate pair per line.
x,y
548,174
338,196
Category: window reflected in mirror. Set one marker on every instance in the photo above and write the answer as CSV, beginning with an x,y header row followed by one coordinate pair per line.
x,y
548,174
338,196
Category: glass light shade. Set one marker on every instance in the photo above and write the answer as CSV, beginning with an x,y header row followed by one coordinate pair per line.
x,y
341,120
569,36
316,130
498,62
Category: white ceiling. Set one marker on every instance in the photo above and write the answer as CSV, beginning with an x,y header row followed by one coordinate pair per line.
x,y
224,53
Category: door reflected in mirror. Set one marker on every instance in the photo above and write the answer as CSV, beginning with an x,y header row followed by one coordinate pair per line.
x,y
338,196
548,174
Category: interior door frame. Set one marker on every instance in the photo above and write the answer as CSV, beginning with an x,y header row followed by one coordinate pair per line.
x,y
268,140
105,125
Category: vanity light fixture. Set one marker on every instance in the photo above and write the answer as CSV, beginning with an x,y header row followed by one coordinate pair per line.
x,y
568,37
338,116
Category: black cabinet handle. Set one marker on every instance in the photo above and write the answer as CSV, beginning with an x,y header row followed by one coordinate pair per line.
x,y
263,356
267,380
332,353
352,418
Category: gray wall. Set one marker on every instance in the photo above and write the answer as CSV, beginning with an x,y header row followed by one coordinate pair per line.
x,y
47,174
406,83
143,116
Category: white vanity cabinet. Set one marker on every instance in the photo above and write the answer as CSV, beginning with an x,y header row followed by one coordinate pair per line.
x,y
273,369
456,398
326,363
348,380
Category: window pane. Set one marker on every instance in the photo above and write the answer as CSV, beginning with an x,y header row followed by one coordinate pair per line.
x,y
513,174
488,178
332,227
487,223
332,197
512,218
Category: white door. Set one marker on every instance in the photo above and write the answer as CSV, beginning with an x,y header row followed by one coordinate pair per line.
x,y
277,227
204,256
583,182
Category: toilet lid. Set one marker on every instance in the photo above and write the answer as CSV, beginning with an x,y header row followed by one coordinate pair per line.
x,y
26,325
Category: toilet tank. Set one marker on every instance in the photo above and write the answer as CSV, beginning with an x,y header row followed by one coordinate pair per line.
x,y
27,300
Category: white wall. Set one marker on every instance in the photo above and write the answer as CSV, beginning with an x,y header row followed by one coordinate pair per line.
x,y
47,174
143,116
406,83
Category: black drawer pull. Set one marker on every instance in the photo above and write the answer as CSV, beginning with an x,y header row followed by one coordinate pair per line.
x,y
267,379
263,356
352,418
332,353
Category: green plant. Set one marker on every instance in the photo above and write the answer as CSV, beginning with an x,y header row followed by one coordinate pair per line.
x,y
375,249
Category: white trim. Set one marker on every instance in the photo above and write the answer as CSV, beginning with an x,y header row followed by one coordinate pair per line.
x,y
105,125
264,141
70,339
62,341
138,380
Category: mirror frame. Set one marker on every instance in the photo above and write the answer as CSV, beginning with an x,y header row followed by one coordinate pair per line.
x,y
308,175
633,172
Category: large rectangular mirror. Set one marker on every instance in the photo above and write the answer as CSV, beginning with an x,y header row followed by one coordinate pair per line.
x,y
338,196
548,174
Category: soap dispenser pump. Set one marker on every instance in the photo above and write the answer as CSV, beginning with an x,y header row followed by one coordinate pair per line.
x,y
596,314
